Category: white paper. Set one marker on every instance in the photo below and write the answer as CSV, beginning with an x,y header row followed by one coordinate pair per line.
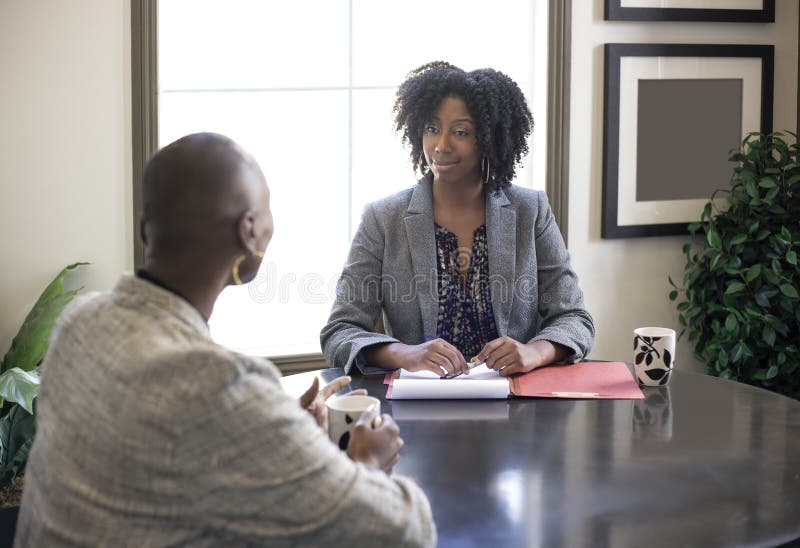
x,y
481,383
481,372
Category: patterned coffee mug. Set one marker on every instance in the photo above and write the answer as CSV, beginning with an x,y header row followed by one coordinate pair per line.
x,y
343,413
653,355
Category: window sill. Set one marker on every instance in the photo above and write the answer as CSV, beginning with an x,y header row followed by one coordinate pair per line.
x,y
299,363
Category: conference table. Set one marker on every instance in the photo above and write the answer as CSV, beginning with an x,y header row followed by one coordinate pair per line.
x,y
701,462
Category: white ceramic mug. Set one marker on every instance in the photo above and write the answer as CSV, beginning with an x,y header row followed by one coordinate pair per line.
x,y
653,355
343,414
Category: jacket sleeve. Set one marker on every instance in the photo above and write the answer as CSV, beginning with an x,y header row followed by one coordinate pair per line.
x,y
266,474
358,300
564,319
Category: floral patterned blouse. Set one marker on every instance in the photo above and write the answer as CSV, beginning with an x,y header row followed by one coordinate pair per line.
x,y
465,317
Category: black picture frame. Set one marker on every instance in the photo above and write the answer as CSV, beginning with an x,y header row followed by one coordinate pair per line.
x,y
615,12
614,53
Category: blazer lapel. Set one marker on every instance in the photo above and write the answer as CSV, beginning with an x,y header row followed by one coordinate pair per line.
x,y
422,244
501,235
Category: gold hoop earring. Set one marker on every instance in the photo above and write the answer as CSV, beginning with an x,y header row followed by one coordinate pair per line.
x,y
486,168
239,260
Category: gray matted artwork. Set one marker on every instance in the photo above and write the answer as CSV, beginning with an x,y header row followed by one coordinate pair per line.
x,y
685,130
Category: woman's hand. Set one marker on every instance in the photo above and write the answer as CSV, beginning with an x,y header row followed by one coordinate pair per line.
x,y
313,400
375,443
437,355
508,356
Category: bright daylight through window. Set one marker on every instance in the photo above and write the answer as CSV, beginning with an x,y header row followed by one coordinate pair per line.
x,y
308,88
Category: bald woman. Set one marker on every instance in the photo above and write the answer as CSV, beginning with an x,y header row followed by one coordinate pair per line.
x,y
150,434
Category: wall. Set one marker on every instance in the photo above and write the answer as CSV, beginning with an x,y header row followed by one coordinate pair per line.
x,y
625,281
65,183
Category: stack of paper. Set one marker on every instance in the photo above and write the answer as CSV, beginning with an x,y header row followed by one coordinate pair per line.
x,y
481,383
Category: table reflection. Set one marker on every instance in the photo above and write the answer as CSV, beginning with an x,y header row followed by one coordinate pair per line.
x,y
652,416
701,462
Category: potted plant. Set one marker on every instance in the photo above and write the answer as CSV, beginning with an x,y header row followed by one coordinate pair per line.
x,y
19,384
741,280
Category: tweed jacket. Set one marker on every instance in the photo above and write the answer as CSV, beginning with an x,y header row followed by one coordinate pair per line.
x,y
150,434
391,269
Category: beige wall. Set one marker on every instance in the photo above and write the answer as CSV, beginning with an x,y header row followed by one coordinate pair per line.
x,y
625,280
65,190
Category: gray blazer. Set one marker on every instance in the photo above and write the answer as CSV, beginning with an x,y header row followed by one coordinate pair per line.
x,y
392,267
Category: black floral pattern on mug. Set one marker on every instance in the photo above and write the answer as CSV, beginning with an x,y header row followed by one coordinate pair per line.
x,y
344,441
646,351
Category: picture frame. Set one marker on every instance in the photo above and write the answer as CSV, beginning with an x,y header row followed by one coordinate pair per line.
x,y
731,11
672,113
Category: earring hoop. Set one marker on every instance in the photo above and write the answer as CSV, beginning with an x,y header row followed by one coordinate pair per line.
x,y
486,169
239,260
422,163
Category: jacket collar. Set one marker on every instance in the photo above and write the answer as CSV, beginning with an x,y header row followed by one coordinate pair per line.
x,y
144,293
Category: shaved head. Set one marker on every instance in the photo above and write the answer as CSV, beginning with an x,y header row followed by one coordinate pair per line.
x,y
194,191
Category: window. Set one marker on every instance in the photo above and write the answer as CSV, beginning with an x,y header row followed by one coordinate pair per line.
x,y
308,88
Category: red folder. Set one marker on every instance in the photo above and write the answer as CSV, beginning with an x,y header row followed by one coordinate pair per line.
x,y
594,380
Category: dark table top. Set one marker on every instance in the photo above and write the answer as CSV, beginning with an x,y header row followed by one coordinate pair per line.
x,y
701,462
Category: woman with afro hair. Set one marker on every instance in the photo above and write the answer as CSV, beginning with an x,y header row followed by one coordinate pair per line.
x,y
464,266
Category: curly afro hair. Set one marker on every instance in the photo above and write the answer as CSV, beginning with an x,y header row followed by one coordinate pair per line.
x,y
495,102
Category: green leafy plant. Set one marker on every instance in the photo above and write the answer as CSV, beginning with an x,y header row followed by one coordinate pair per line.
x,y
19,376
740,284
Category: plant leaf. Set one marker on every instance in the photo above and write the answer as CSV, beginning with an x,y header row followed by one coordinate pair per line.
x,y
763,233
734,287
30,344
17,430
767,182
769,336
750,188
21,387
789,290
738,239
791,257
737,352
753,272
713,239
673,295
760,374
